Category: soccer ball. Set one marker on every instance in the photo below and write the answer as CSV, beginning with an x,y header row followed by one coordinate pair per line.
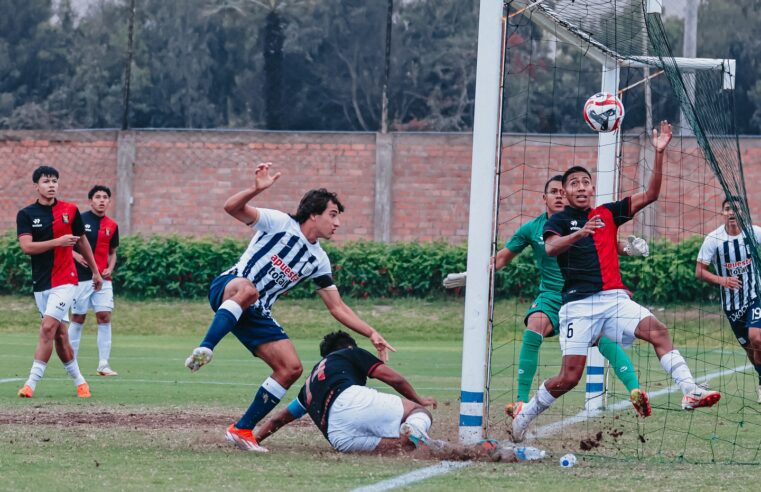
x,y
604,112
568,460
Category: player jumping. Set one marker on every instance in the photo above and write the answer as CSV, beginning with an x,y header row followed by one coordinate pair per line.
x,y
284,251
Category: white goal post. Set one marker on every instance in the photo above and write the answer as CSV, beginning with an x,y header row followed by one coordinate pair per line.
x,y
486,153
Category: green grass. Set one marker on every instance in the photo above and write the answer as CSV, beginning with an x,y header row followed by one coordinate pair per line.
x,y
157,426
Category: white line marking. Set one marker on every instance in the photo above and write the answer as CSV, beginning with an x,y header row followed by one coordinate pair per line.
x,y
415,476
10,380
449,466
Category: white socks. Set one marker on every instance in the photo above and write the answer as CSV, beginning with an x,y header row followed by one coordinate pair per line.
x,y
419,420
674,364
38,369
75,334
541,401
233,307
73,369
273,387
104,343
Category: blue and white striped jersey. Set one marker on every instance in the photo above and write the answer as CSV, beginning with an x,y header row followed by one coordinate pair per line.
x,y
730,256
279,257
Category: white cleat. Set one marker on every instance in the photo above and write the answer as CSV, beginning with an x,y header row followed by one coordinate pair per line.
x,y
106,371
700,397
418,437
198,358
520,427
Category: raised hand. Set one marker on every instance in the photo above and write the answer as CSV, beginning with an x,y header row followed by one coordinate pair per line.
x,y
381,345
263,177
591,226
661,140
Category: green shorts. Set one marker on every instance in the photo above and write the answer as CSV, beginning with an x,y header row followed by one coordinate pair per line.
x,y
548,303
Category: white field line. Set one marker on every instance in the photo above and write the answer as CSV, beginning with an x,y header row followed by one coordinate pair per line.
x,y
448,466
10,380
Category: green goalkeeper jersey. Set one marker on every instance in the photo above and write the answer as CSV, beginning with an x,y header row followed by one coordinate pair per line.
x,y
530,234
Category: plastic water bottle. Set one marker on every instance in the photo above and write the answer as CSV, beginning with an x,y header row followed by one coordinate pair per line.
x,y
527,453
508,452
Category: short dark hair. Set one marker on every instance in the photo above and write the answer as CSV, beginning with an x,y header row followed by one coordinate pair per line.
x,y
731,198
575,169
44,171
96,189
557,177
315,202
336,340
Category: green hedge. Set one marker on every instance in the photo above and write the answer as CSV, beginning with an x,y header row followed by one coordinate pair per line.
x,y
173,266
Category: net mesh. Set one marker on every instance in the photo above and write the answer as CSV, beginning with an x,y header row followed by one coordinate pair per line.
x,y
553,57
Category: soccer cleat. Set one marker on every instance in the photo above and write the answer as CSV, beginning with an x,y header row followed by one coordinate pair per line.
x,y
513,409
244,439
26,392
520,422
198,358
700,397
641,402
83,391
106,371
418,437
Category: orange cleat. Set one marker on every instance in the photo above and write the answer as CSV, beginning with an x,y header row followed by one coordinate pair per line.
x,y
513,409
26,392
641,402
244,439
83,391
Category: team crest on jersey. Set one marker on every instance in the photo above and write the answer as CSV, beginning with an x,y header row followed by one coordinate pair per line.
x,y
108,232
65,218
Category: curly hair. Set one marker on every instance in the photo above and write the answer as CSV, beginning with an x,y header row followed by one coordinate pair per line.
x,y
336,340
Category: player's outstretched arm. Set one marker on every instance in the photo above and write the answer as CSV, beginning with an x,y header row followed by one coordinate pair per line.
x,y
347,317
660,142
279,420
555,244
237,205
501,260
401,385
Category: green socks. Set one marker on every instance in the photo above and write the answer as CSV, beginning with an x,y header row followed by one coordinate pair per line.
x,y
527,363
619,361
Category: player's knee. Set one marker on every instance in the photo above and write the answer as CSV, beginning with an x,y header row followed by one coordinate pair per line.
x,y
247,294
103,317
79,318
291,373
568,381
49,327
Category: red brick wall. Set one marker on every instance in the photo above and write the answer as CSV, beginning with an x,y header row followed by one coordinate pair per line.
x,y
182,178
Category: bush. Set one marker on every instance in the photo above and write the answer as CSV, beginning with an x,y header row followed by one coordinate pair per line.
x,y
173,266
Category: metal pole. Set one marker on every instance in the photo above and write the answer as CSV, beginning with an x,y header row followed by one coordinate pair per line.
x,y
482,189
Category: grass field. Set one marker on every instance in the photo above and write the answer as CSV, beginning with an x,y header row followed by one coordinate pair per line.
x,y
156,426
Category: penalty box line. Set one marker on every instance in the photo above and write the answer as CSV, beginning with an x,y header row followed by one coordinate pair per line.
x,y
449,466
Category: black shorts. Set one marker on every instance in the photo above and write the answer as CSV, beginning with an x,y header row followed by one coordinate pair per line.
x,y
745,318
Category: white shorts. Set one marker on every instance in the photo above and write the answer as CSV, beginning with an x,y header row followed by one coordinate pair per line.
x,y
87,297
611,313
361,416
55,302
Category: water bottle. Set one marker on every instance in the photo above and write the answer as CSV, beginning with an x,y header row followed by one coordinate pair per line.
x,y
508,452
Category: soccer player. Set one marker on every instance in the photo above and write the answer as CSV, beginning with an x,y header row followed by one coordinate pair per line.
x,y
729,253
541,321
47,230
102,233
284,251
351,416
595,300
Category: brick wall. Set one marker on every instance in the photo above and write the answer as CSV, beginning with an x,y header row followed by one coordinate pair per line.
x,y
182,178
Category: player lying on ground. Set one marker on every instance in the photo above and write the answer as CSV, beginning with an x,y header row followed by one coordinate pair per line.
x,y
726,248
284,251
541,321
351,416
47,230
102,233
595,300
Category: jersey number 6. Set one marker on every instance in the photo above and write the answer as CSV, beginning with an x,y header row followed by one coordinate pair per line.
x,y
569,330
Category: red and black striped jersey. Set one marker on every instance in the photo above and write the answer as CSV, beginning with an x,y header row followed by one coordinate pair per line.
x,y
590,265
103,235
46,222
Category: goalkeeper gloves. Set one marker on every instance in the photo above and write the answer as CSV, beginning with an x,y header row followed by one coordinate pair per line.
x,y
455,280
636,246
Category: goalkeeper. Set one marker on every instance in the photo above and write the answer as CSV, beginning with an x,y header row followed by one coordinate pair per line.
x,y
542,318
